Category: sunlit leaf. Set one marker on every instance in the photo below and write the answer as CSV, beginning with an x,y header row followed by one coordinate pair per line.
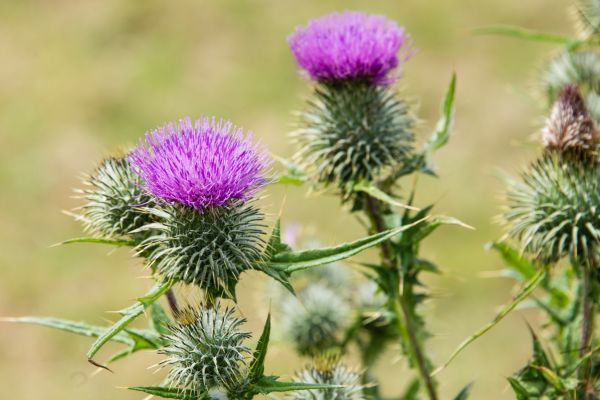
x,y
441,133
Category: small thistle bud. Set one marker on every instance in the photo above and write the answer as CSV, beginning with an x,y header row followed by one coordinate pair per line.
x,y
205,176
569,127
336,374
315,320
114,196
579,68
205,351
356,127
554,212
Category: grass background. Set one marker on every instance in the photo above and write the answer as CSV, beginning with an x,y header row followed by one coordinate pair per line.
x,y
80,79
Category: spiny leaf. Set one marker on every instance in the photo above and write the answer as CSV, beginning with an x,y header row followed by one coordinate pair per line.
x,y
514,259
270,384
257,367
170,393
441,134
113,242
527,34
421,231
551,377
525,291
79,328
128,315
159,319
379,194
292,261
519,389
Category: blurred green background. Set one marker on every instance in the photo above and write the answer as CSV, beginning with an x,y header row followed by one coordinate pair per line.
x,y
79,79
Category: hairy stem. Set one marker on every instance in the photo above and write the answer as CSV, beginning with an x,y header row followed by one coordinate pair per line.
x,y
587,325
406,324
172,300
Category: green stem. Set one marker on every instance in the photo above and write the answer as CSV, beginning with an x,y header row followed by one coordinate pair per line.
x,y
401,309
587,326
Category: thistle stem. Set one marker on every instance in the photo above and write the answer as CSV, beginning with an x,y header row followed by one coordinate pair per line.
x,y
400,307
587,325
172,300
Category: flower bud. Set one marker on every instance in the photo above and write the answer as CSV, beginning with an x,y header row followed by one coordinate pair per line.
x,y
114,196
205,351
336,374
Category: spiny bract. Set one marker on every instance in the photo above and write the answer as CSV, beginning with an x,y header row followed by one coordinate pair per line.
x,y
114,196
353,131
209,247
580,68
338,374
588,17
205,350
555,211
315,319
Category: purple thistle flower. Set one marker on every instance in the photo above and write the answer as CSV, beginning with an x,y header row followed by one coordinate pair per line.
x,y
208,163
350,45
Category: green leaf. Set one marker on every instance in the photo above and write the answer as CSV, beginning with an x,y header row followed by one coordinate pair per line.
x,y
159,320
257,367
441,134
79,328
551,377
292,261
528,34
525,291
464,393
170,393
379,194
113,242
128,315
270,384
519,389
423,230
293,175
514,259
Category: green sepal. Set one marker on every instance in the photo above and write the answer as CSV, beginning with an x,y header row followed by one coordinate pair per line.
x,y
270,384
170,393
128,315
257,367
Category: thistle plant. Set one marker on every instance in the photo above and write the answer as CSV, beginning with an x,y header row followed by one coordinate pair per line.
x,y
186,200
356,136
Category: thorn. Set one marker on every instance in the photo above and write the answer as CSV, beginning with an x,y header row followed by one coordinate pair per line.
x,y
94,363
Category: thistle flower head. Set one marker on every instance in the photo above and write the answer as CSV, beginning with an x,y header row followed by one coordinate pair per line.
x,y
553,212
350,45
114,197
209,247
587,13
336,374
205,350
315,319
569,126
206,163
